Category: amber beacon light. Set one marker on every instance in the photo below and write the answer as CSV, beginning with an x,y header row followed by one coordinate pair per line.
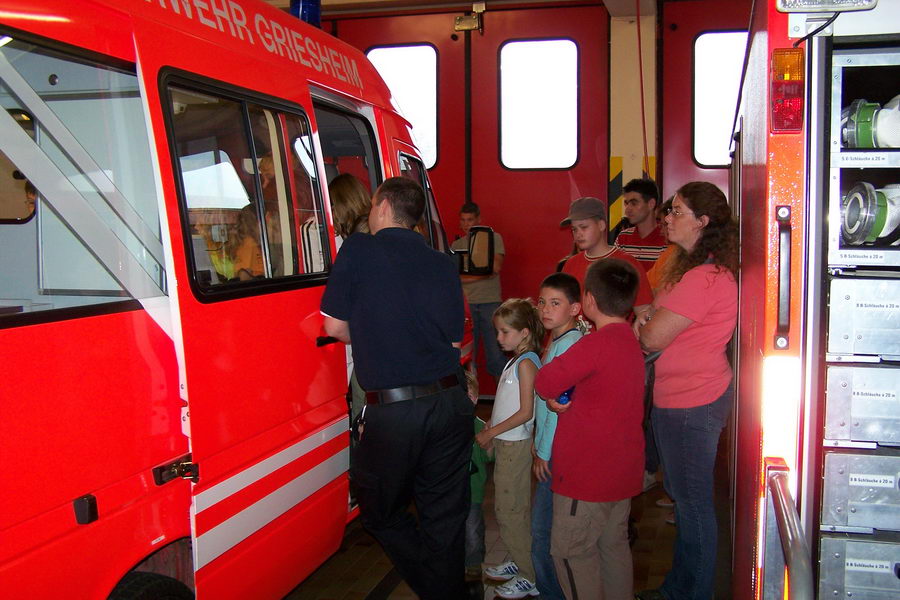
x,y
787,90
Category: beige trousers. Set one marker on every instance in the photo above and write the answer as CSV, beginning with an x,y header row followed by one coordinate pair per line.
x,y
512,500
589,546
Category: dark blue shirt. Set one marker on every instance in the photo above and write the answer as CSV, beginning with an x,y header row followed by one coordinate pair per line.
x,y
404,304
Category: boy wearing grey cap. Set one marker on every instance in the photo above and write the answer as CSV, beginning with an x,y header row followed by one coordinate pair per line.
x,y
588,222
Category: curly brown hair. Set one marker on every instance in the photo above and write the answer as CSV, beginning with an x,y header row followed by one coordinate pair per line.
x,y
718,243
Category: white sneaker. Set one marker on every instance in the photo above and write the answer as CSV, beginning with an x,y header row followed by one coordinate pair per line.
x,y
503,571
665,502
650,481
516,588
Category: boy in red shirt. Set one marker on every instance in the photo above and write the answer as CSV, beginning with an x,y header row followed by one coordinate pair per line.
x,y
587,219
598,449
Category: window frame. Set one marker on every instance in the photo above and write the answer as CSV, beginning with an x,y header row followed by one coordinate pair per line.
x,y
694,95
241,289
577,104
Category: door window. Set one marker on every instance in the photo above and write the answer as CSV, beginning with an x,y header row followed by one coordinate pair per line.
x,y
348,145
248,180
351,166
430,225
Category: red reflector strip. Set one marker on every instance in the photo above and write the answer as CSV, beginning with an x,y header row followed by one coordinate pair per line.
x,y
787,105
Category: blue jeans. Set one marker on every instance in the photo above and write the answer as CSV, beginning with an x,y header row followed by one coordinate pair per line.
x,y
475,536
483,329
687,439
541,520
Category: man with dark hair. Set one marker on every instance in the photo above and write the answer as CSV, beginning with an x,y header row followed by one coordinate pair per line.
x,y
644,239
482,292
406,200
401,304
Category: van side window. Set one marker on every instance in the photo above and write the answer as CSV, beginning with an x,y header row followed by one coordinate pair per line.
x,y
413,168
79,219
248,182
348,146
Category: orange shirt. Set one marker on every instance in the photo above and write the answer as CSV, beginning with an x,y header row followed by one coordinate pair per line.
x,y
656,272
249,257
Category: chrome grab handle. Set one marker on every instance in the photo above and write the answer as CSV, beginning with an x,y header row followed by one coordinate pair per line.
x,y
783,219
793,544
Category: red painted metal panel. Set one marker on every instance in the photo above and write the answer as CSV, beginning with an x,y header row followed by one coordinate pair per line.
x,y
271,562
92,407
682,23
525,206
772,174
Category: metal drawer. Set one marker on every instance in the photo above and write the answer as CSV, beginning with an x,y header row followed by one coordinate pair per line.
x,y
861,492
865,317
863,405
859,570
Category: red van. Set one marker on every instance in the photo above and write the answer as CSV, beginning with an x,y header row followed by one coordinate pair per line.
x,y
178,415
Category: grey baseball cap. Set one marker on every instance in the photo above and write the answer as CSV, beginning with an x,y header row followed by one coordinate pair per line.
x,y
587,207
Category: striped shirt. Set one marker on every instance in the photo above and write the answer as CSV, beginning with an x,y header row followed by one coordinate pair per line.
x,y
647,249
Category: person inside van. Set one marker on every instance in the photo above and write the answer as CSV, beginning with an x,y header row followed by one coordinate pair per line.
x,y
30,198
247,258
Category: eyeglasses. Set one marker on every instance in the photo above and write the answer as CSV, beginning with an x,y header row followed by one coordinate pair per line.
x,y
678,213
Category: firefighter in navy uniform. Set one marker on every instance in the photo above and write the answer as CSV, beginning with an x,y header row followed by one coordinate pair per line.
x,y
401,303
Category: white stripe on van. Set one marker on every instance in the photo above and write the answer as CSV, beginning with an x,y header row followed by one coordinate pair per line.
x,y
225,536
266,467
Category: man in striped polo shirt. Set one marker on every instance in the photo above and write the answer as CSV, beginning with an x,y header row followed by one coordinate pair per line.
x,y
645,239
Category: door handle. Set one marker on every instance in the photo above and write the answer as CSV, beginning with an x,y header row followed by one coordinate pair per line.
x,y
783,219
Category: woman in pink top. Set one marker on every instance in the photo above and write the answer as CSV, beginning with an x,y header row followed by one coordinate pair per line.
x,y
691,321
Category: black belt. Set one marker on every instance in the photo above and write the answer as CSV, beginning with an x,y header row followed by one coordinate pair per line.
x,y
410,392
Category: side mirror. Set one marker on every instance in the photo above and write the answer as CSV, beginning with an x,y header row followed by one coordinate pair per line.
x,y
478,258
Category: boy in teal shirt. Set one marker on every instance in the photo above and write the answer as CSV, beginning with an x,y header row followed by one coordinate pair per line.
x,y
559,305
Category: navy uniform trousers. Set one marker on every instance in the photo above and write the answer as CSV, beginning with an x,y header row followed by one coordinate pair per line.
x,y
419,450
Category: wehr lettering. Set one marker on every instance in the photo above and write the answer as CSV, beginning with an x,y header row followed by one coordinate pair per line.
x,y
215,14
229,16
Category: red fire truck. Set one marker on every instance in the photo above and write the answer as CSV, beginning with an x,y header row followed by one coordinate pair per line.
x,y
177,412
815,179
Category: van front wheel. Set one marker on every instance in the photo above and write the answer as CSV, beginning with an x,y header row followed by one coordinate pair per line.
x,y
139,585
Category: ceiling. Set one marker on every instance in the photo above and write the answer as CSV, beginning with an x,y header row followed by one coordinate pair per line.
x,y
616,8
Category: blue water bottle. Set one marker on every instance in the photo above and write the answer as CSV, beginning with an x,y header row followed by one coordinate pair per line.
x,y
566,396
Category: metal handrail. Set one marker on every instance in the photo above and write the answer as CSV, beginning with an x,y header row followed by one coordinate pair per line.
x,y
796,550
